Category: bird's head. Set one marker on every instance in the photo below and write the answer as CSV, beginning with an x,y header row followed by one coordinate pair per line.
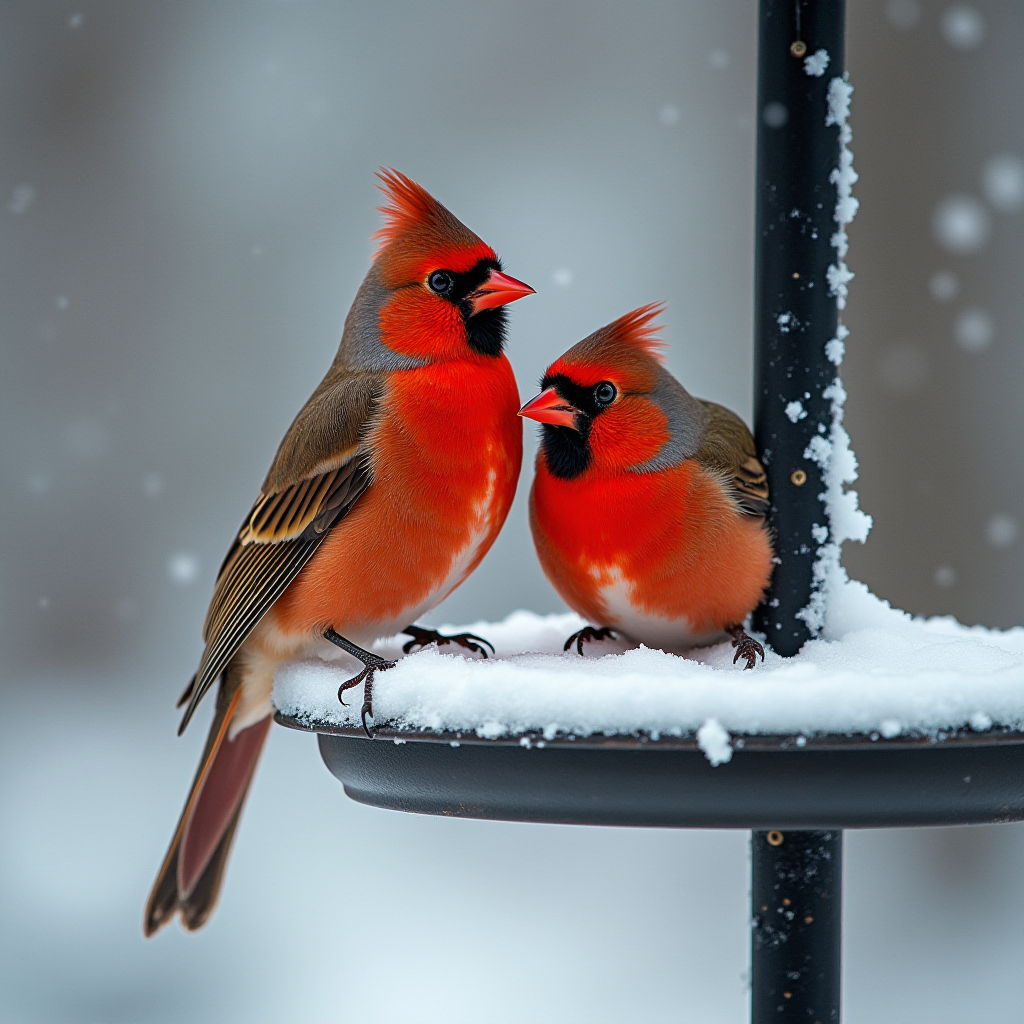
x,y
599,405
444,288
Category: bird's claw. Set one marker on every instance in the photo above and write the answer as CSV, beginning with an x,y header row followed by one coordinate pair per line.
x,y
366,677
588,633
746,647
422,637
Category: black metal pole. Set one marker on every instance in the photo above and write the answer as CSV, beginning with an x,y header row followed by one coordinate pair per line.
x,y
796,894
794,313
796,887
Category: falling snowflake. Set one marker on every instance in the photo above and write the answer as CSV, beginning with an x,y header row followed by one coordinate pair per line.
x,y
944,286
153,485
183,568
962,224
22,197
1002,181
974,330
1001,531
669,114
963,27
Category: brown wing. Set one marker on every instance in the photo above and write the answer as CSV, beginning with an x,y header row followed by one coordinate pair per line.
x,y
727,446
291,517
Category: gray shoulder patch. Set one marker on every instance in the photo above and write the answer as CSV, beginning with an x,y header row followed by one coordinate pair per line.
x,y
361,346
687,419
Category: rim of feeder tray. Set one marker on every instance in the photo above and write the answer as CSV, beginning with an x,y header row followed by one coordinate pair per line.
x,y
791,742
768,782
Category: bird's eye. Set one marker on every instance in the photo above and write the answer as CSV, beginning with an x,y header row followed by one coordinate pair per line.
x,y
604,393
440,282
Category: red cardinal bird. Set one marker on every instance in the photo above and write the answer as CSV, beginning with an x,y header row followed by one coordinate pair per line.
x,y
387,490
648,507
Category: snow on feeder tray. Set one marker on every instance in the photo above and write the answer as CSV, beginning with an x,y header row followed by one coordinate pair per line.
x,y
909,721
860,715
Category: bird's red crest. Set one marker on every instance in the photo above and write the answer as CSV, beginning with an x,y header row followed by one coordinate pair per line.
x,y
638,329
417,224
631,341
408,205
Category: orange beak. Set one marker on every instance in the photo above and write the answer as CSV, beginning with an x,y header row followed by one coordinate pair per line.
x,y
550,407
498,290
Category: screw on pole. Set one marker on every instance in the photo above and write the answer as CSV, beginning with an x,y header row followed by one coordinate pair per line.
x,y
794,312
796,896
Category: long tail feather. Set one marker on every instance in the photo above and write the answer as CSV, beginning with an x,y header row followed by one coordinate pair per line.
x,y
190,876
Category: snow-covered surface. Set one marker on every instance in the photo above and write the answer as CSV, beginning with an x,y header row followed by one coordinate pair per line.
x,y
873,670
815,64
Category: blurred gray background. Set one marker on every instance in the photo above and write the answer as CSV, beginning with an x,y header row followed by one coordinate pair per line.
x,y
187,194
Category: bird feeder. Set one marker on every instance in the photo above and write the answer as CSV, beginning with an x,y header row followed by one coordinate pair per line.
x,y
796,793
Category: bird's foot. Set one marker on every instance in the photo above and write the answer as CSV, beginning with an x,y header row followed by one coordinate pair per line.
x,y
746,646
371,663
422,637
588,633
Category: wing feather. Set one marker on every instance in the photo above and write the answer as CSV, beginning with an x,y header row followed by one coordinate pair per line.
x,y
728,447
301,502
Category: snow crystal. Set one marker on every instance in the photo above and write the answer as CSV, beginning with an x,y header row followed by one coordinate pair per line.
x,y
785,321
714,741
796,411
815,64
840,91
944,286
962,224
974,330
835,348
872,666
890,727
963,26
1002,181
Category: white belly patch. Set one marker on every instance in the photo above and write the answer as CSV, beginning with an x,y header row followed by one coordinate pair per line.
x,y
645,627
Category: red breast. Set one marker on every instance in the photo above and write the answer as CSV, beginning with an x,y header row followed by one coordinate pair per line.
x,y
448,450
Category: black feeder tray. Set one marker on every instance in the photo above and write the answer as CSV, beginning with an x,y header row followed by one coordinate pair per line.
x,y
795,793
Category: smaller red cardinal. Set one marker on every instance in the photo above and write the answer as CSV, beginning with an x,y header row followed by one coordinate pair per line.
x,y
648,505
